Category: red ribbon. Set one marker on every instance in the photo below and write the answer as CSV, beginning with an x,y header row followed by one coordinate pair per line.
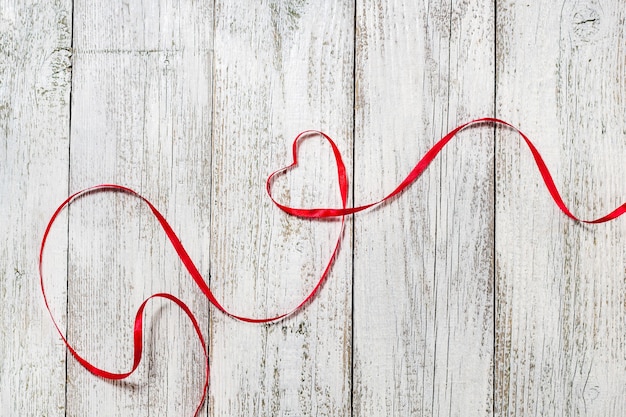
x,y
310,213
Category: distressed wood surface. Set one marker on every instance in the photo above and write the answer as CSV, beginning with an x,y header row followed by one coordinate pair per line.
x,y
35,77
280,67
141,116
560,345
468,295
423,304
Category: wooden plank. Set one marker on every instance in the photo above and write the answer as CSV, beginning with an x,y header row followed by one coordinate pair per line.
x,y
141,117
560,285
280,68
423,309
35,73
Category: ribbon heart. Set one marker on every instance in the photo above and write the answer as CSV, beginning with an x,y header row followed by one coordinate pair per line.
x,y
342,180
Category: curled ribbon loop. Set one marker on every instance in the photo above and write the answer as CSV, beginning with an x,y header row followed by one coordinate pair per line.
x,y
309,213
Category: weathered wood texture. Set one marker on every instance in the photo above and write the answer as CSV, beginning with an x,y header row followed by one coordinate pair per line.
x,y
423,264
561,289
141,116
468,295
35,77
280,67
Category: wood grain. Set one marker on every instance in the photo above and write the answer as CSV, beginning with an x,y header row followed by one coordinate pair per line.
x,y
560,285
35,75
423,313
280,68
141,116
468,295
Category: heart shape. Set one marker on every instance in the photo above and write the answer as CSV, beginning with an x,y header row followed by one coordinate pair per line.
x,y
342,181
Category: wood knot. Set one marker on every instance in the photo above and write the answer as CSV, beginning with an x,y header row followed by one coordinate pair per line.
x,y
586,22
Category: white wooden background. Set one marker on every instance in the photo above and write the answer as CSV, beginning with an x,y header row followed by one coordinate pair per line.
x,y
469,295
